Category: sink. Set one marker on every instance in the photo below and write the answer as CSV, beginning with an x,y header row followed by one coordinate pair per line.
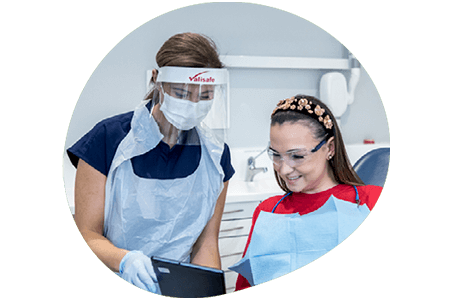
x,y
262,187
258,190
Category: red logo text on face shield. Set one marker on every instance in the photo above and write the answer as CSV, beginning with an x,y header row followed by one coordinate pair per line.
x,y
198,78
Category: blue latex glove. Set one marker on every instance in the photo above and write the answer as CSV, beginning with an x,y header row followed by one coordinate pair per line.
x,y
137,269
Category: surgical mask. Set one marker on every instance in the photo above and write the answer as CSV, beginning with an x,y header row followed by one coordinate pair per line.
x,y
184,114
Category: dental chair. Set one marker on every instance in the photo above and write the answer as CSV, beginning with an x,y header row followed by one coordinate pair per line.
x,y
372,167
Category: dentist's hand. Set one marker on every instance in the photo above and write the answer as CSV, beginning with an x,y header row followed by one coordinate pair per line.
x,y
137,269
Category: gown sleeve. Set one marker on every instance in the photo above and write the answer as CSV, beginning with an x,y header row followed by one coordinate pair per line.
x,y
225,162
98,146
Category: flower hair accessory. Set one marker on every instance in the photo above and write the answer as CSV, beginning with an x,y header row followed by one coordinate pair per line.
x,y
306,107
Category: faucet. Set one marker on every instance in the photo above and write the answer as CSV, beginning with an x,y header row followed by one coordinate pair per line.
x,y
252,170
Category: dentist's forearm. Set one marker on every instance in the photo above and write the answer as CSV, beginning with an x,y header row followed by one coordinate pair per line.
x,y
109,254
89,214
207,256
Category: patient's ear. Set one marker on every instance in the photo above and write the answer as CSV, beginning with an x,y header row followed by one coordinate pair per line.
x,y
331,147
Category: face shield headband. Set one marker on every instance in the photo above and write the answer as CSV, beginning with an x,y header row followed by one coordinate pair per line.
x,y
203,76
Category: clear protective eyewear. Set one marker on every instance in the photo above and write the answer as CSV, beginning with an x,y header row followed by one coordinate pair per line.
x,y
293,158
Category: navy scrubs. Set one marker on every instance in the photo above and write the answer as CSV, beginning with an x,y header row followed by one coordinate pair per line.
x,y
98,146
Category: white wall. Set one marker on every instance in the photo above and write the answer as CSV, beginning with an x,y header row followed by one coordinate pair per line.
x,y
118,83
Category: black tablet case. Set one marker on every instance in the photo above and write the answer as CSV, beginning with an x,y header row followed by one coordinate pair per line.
x,y
185,280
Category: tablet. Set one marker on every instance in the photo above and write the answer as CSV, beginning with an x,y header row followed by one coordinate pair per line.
x,y
186,280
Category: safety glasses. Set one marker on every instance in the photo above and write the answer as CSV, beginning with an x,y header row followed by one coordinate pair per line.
x,y
293,158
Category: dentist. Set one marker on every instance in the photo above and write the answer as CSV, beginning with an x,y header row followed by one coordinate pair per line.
x,y
153,182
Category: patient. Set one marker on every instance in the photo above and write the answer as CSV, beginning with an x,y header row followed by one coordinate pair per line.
x,y
325,200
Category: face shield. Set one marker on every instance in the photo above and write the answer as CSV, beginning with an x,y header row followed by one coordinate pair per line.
x,y
195,97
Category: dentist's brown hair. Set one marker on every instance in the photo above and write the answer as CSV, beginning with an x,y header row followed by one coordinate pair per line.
x,y
188,50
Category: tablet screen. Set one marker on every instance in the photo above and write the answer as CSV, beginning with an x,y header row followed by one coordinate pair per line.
x,y
186,280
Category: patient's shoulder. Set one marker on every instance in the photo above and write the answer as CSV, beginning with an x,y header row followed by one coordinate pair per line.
x,y
369,194
266,205
269,203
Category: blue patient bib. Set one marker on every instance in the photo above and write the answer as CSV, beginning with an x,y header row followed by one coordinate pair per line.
x,y
282,243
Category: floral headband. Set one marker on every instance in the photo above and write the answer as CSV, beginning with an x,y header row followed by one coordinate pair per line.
x,y
311,109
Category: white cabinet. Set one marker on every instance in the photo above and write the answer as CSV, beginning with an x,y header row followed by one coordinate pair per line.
x,y
234,230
